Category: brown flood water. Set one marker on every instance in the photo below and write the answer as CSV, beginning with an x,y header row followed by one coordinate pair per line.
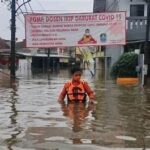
x,y
31,118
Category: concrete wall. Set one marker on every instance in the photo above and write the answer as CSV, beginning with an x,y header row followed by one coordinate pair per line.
x,y
114,52
112,5
117,5
124,5
99,6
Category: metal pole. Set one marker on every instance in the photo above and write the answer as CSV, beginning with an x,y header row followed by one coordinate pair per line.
x,y
48,59
75,56
13,40
105,61
146,48
48,64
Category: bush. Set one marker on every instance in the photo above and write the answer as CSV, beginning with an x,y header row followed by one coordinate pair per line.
x,y
125,66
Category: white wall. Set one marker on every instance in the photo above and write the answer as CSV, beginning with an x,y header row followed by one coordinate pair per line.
x,y
124,5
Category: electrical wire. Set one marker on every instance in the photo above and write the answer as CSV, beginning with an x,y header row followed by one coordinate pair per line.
x,y
25,6
40,5
22,5
114,3
20,10
18,17
7,4
57,10
30,7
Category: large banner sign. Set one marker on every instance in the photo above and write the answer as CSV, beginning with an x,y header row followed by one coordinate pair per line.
x,y
63,30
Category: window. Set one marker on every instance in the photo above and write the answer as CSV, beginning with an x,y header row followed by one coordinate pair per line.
x,y
136,10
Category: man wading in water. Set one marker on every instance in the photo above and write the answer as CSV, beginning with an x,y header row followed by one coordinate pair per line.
x,y
76,89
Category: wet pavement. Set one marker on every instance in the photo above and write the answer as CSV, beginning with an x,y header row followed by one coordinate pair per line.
x,y
32,119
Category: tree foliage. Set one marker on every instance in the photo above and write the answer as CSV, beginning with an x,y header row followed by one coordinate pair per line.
x,y
125,66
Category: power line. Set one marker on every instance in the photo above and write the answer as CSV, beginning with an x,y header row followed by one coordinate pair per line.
x,y
7,4
22,5
40,5
20,10
25,6
114,3
30,7
59,10
20,20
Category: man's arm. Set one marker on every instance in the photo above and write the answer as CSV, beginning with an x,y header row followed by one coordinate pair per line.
x,y
89,91
62,94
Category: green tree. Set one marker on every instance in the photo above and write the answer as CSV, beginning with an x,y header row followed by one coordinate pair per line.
x,y
125,66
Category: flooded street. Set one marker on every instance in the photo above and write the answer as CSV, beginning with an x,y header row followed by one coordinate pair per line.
x,y
31,118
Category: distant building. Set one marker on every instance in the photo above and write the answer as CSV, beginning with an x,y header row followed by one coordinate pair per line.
x,y
4,44
136,12
5,60
39,56
133,8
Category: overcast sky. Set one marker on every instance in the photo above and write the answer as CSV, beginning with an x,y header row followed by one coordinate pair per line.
x,y
47,6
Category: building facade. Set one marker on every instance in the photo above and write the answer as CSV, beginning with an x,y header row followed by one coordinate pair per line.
x,y
136,12
99,6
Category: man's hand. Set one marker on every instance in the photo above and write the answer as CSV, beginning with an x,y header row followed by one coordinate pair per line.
x,y
60,101
92,101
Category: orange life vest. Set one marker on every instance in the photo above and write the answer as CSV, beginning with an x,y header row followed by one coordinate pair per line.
x,y
76,93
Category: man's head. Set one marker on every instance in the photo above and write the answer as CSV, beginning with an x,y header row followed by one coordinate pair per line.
x,y
76,73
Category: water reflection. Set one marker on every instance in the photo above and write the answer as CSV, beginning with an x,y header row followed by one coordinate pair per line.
x,y
13,117
122,111
4,81
129,104
77,113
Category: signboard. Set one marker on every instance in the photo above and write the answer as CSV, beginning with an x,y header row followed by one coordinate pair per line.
x,y
43,30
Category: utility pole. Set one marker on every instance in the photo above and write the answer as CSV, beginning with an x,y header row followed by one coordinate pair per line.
x,y
13,40
48,60
48,63
146,48
13,37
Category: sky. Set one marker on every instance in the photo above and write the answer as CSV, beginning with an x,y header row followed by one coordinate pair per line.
x,y
42,6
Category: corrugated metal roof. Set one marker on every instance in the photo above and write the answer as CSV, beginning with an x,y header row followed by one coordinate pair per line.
x,y
42,55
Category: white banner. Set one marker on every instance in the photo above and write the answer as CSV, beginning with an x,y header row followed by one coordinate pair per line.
x,y
63,30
